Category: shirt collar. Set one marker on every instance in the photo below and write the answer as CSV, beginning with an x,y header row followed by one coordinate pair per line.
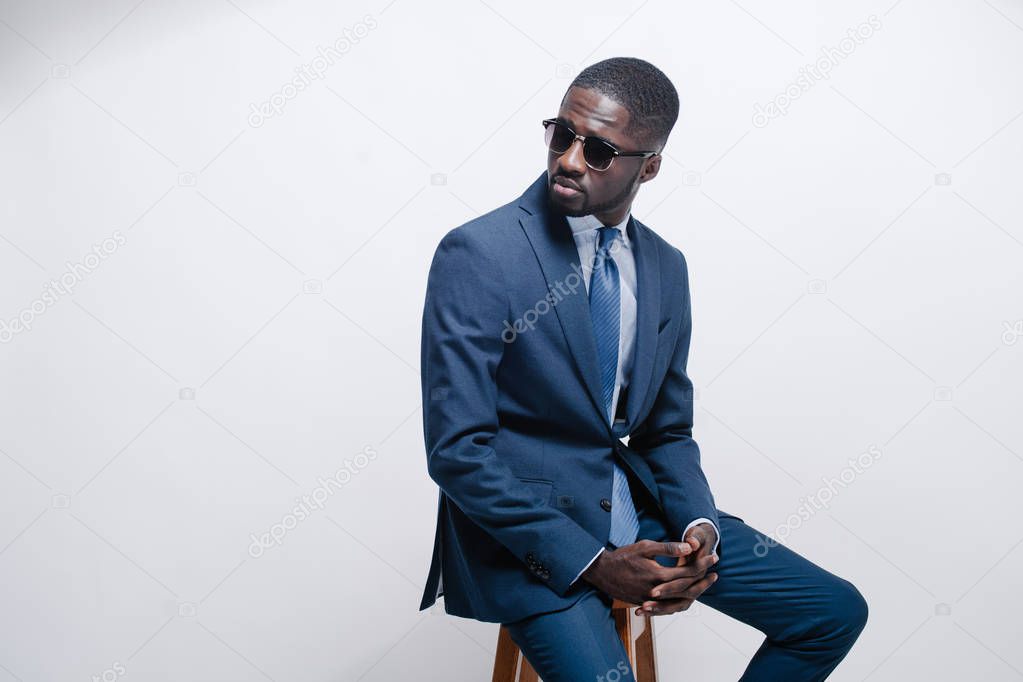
x,y
591,222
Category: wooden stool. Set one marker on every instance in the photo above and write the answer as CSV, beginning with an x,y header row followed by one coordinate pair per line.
x,y
636,633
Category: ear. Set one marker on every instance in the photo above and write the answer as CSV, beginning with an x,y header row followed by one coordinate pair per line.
x,y
650,169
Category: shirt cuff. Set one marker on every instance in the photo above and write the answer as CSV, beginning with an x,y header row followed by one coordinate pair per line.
x,y
587,565
717,533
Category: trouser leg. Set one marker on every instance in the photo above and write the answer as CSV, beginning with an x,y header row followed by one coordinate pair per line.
x,y
811,617
577,644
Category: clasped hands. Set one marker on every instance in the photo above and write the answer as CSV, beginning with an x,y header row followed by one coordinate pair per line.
x,y
631,574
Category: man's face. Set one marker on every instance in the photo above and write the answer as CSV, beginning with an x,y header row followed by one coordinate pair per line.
x,y
607,194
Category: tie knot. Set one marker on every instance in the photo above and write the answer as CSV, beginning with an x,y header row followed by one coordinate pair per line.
x,y
606,236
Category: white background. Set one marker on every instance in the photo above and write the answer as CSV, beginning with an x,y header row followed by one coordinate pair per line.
x,y
855,270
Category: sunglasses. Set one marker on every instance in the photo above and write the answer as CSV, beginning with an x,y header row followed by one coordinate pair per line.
x,y
597,153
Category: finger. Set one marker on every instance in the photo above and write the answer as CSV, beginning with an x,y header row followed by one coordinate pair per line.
x,y
693,555
663,608
691,591
694,565
672,588
650,549
687,572
694,568
700,586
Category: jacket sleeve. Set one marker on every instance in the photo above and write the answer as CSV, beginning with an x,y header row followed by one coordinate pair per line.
x,y
665,438
462,345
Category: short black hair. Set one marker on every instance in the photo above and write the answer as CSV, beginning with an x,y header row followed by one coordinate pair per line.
x,y
643,89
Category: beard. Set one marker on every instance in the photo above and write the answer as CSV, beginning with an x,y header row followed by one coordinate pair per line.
x,y
611,204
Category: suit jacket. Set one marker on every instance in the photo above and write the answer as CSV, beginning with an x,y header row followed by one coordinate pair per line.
x,y
516,438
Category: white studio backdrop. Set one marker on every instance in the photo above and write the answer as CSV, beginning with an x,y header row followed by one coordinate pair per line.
x,y
211,287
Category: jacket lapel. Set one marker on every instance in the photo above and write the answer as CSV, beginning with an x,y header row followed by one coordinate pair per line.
x,y
555,250
648,297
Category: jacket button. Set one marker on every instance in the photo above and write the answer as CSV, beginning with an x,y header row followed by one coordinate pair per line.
x,y
605,504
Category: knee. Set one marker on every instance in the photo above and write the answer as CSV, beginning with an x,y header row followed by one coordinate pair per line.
x,y
848,610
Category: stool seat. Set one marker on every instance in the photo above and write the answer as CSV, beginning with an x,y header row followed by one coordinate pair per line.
x,y
636,633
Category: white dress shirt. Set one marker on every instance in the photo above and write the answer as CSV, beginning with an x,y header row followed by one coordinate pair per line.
x,y
584,231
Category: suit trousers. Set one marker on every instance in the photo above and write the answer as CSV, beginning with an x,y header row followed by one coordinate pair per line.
x,y
810,617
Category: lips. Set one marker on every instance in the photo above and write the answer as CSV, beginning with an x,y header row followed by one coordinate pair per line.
x,y
565,192
564,182
565,189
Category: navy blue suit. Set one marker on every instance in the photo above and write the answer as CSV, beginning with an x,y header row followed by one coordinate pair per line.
x,y
516,437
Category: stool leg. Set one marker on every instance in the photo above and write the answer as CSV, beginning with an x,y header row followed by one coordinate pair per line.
x,y
637,634
646,654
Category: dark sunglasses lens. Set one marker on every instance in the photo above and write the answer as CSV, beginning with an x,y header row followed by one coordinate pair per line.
x,y
558,137
598,154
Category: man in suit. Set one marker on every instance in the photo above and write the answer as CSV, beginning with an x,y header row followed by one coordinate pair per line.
x,y
554,327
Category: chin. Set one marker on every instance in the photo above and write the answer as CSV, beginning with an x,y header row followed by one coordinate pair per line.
x,y
558,206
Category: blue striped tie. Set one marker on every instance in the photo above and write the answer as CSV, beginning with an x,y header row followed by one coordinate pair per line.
x,y
605,312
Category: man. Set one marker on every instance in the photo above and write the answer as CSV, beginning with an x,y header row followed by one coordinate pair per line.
x,y
554,326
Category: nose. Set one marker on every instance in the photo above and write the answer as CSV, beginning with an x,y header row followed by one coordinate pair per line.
x,y
572,161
